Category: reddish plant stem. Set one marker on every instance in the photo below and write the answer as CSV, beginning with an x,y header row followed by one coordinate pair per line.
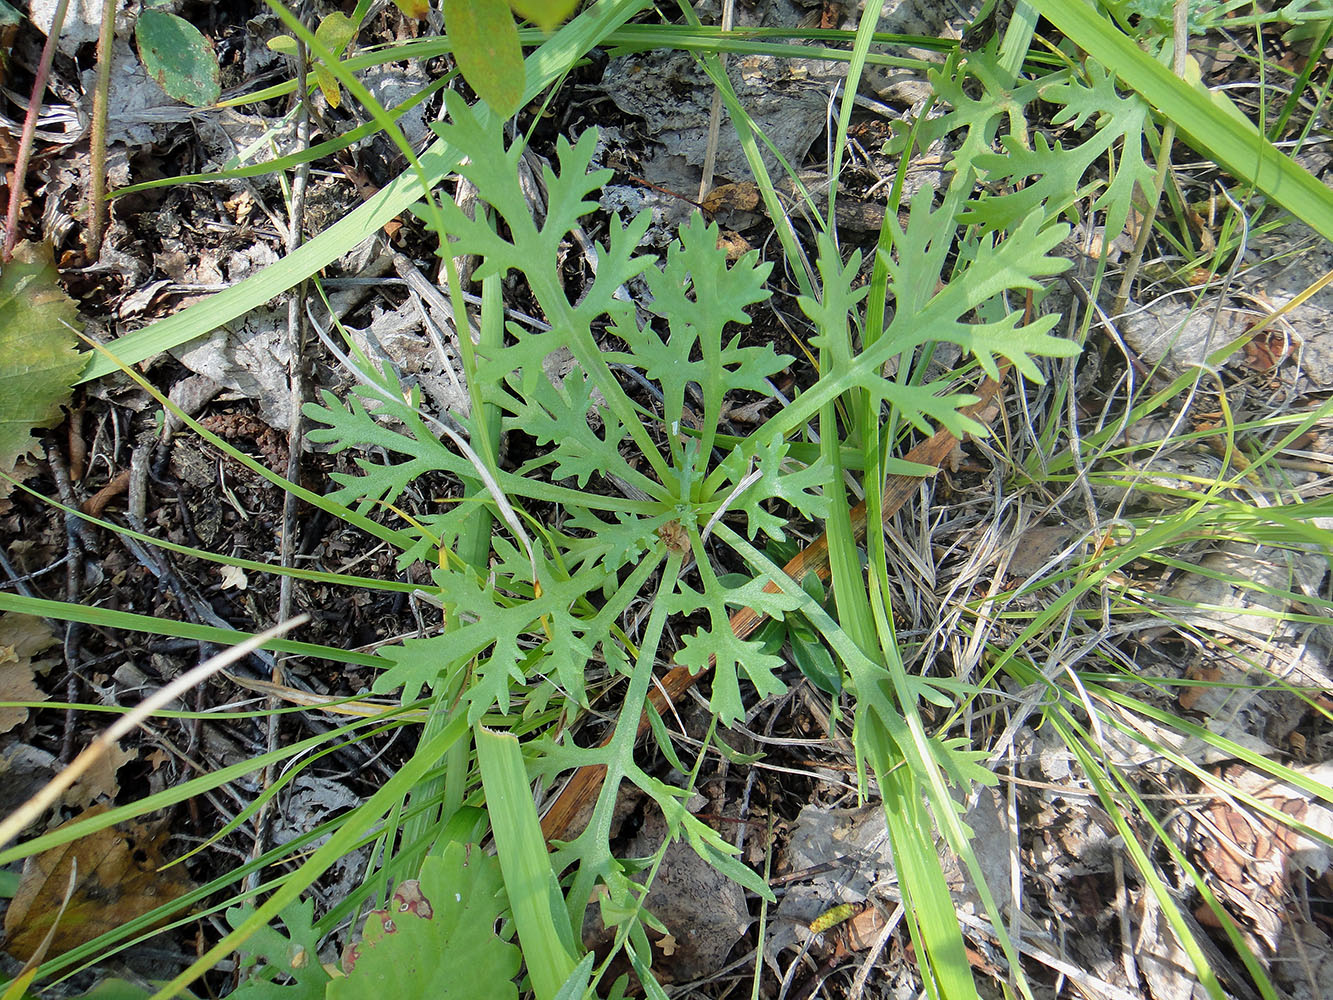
x,y
19,174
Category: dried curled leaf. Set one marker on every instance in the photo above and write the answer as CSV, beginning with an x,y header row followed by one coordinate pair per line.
x,y
22,637
742,197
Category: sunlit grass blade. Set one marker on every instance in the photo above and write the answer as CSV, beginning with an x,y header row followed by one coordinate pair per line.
x,y
359,822
292,160
254,565
1092,768
945,967
534,894
177,794
778,42
1228,748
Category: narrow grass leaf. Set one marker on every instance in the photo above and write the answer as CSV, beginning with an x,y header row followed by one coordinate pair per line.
x,y
552,59
1093,769
338,845
576,986
148,625
534,894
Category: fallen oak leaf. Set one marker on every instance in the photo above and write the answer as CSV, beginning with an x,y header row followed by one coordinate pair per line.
x,y
1254,857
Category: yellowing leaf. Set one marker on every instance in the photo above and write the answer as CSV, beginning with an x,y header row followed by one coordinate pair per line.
x,y
335,32
38,360
486,47
413,8
545,14
328,83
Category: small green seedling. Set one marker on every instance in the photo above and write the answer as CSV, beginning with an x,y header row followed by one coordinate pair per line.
x,y
335,32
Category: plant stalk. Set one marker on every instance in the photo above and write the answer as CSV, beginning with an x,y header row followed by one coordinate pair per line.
x,y
97,208
19,174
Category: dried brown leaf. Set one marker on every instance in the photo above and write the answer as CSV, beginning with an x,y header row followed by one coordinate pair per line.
x,y
99,781
118,880
22,637
1253,858
743,197
734,245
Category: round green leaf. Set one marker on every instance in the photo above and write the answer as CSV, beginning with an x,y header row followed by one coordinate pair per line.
x,y
486,47
178,57
437,938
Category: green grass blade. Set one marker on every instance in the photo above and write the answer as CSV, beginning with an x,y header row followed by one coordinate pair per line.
x,y
172,796
534,893
130,622
870,14
291,160
944,969
1093,769
254,565
358,822
631,38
